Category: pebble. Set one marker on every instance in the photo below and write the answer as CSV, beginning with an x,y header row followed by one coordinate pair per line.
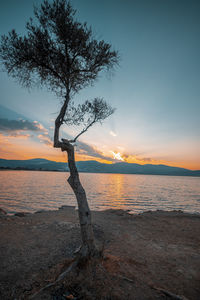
x,y
2,212
20,214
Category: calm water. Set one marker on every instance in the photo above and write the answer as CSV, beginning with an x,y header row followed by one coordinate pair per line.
x,y
31,191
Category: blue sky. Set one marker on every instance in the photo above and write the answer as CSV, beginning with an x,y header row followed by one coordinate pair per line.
x,y
155,89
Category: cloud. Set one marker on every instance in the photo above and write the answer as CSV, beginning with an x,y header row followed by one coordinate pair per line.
x,y
18,134
86,149
112,133
8,148
135,158
45,138
117,155
20,125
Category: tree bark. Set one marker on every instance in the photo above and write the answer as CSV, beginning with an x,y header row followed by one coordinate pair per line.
x,y
88,248
59,120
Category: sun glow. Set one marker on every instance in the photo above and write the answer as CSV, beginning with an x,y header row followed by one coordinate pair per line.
x,y
117,155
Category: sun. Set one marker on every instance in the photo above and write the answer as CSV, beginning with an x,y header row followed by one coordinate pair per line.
x,y
117,155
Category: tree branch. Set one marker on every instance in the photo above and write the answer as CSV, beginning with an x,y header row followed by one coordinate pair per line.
x,y
49,69
83,131
59,121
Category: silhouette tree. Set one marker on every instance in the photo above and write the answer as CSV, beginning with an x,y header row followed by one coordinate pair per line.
x,y
62,54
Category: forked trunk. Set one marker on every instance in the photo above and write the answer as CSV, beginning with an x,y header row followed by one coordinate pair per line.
x,y
88,248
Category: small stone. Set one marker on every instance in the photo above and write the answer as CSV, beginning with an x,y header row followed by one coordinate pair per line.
x,y
67,207
70,297
2,212
20,214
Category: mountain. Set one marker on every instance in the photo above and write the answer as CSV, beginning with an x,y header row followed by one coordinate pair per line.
x,y
127,168
93,166
34,164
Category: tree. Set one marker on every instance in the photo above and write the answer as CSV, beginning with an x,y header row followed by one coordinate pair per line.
x,y
61,53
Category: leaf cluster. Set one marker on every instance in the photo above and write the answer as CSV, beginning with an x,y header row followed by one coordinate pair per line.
x,y
88,113
57,50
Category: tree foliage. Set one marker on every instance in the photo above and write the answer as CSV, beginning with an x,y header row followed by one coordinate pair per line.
x,y
57,50
87,114
61,53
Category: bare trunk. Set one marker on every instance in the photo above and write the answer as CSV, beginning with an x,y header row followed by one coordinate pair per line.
x,y
88,248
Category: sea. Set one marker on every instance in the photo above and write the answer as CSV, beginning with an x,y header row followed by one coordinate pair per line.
x,y
31,191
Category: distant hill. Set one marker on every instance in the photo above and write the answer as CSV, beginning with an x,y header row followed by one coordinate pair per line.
x,y
96,167
34,164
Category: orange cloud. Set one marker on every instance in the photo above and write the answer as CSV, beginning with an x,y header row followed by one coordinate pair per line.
x,y
20,145
133,158
117,156
91,151
45,138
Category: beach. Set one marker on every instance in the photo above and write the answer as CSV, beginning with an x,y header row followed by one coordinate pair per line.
x,y
149,254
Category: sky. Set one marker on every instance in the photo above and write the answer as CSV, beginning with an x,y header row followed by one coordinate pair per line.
x,y
155,89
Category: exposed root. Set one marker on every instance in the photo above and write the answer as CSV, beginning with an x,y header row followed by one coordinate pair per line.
x,y
82,259
125,278
66,272
60,278
169,294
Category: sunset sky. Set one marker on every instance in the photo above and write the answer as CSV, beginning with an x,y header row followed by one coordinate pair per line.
x,y
155,89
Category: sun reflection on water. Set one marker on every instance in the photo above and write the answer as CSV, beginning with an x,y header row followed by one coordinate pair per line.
x,y
32,191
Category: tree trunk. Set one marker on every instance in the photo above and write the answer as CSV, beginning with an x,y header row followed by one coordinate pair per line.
x,y
88,248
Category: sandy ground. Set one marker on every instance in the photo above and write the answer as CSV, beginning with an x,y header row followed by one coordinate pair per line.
x,y
151,250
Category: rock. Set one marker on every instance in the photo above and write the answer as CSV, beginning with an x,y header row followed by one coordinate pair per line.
x,y
2,212
20,214
70,297
59,294
67,207
40,211
69,225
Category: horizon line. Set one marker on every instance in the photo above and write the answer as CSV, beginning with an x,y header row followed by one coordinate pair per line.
x,y
114,162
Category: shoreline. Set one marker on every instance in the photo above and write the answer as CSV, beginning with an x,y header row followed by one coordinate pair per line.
x,y
157,248
88,172
24,213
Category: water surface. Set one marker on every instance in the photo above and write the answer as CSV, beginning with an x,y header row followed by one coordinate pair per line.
x,y
36,190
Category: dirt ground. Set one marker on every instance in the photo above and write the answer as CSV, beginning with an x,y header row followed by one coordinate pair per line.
x,y
154,255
